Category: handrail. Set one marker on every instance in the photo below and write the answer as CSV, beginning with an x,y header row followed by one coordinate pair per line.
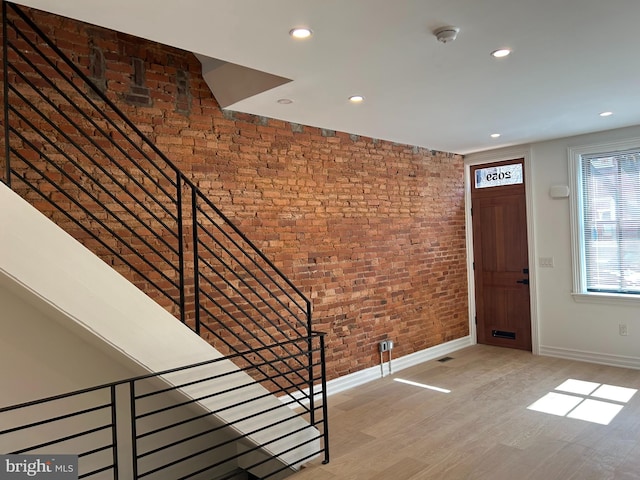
x,y
146,376
156,150
147,422
73,153
153,220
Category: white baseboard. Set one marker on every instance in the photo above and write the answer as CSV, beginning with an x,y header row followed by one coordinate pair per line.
x,y
373,373
592,357
431,353
352,380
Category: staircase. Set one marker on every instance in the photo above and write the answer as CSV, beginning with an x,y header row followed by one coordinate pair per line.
x,y
250,386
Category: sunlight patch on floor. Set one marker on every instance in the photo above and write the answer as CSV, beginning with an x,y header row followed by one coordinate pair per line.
x,y
589,401
596,411
422,385
555,404
577,386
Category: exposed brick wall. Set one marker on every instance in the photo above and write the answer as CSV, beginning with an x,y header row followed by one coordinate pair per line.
x,y
372,231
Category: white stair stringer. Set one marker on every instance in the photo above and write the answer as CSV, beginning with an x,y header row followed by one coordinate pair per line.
x,y
102,305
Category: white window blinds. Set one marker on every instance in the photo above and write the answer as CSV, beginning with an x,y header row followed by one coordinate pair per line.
x,y
610,203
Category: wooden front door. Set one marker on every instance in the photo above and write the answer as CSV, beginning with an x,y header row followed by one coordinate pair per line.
x,y
500,252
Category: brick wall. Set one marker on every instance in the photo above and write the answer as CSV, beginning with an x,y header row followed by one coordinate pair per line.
x,y
372,231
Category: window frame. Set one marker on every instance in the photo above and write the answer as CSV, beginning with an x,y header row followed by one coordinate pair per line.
x,y
579,291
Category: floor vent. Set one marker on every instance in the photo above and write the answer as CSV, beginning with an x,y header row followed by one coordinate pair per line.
x,y
445,359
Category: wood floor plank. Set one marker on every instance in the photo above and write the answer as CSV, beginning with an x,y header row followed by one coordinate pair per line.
x,y
483,428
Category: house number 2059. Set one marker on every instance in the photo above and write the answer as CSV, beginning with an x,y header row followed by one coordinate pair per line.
x,y
498,176
491,177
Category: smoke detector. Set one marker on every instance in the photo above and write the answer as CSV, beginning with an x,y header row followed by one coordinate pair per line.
x,y
446,34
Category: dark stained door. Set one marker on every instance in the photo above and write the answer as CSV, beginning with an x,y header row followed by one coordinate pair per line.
x,y
500,252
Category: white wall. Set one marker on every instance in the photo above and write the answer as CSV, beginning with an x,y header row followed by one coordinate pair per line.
x,y
566,328
58,360
41,357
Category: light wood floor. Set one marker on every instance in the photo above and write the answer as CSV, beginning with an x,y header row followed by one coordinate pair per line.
x,y
386,430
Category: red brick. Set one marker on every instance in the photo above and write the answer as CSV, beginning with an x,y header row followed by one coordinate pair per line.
x,y
371,231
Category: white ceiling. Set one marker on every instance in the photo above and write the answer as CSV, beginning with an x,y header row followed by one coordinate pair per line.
x,y
571,60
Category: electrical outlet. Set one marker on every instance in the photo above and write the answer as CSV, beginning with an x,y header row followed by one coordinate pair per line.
x,y
383,346
622,329
390,344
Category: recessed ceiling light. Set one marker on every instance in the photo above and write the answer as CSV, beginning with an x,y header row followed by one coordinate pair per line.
x,y
495,135
503,52
300,32
356,98
606,114
285,101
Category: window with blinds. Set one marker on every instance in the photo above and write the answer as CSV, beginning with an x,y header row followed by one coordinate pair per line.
x,y
610,211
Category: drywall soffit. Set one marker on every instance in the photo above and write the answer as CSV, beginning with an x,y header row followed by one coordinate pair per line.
x,y
231,83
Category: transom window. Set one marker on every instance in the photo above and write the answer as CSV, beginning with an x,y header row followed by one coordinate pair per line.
x,y
498,176
607,210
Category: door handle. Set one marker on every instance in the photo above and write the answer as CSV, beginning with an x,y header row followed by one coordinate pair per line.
x,y
524,281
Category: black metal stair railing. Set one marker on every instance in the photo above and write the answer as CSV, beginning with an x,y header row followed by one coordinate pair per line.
x,y
154,427
74,155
